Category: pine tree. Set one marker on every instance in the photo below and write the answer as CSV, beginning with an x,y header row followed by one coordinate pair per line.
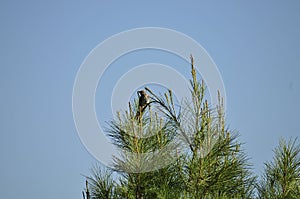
x,y
175,151
281,178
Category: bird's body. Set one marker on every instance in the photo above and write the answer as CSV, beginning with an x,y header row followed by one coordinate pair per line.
x,y
144,98
144,101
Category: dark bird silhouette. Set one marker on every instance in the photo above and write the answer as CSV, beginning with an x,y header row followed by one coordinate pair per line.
x,y
144,101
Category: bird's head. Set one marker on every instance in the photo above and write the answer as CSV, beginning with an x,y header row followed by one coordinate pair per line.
x,y
141,93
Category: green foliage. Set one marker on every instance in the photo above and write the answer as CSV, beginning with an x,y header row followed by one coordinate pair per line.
x,y
282,176
101,184
205,161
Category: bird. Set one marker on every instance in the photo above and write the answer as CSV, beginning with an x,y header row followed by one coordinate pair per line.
x,y
144,101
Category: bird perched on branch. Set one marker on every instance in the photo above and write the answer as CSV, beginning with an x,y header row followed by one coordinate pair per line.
x,y
144,101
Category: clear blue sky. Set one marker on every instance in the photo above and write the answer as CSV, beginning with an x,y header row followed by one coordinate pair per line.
x,y
255,45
